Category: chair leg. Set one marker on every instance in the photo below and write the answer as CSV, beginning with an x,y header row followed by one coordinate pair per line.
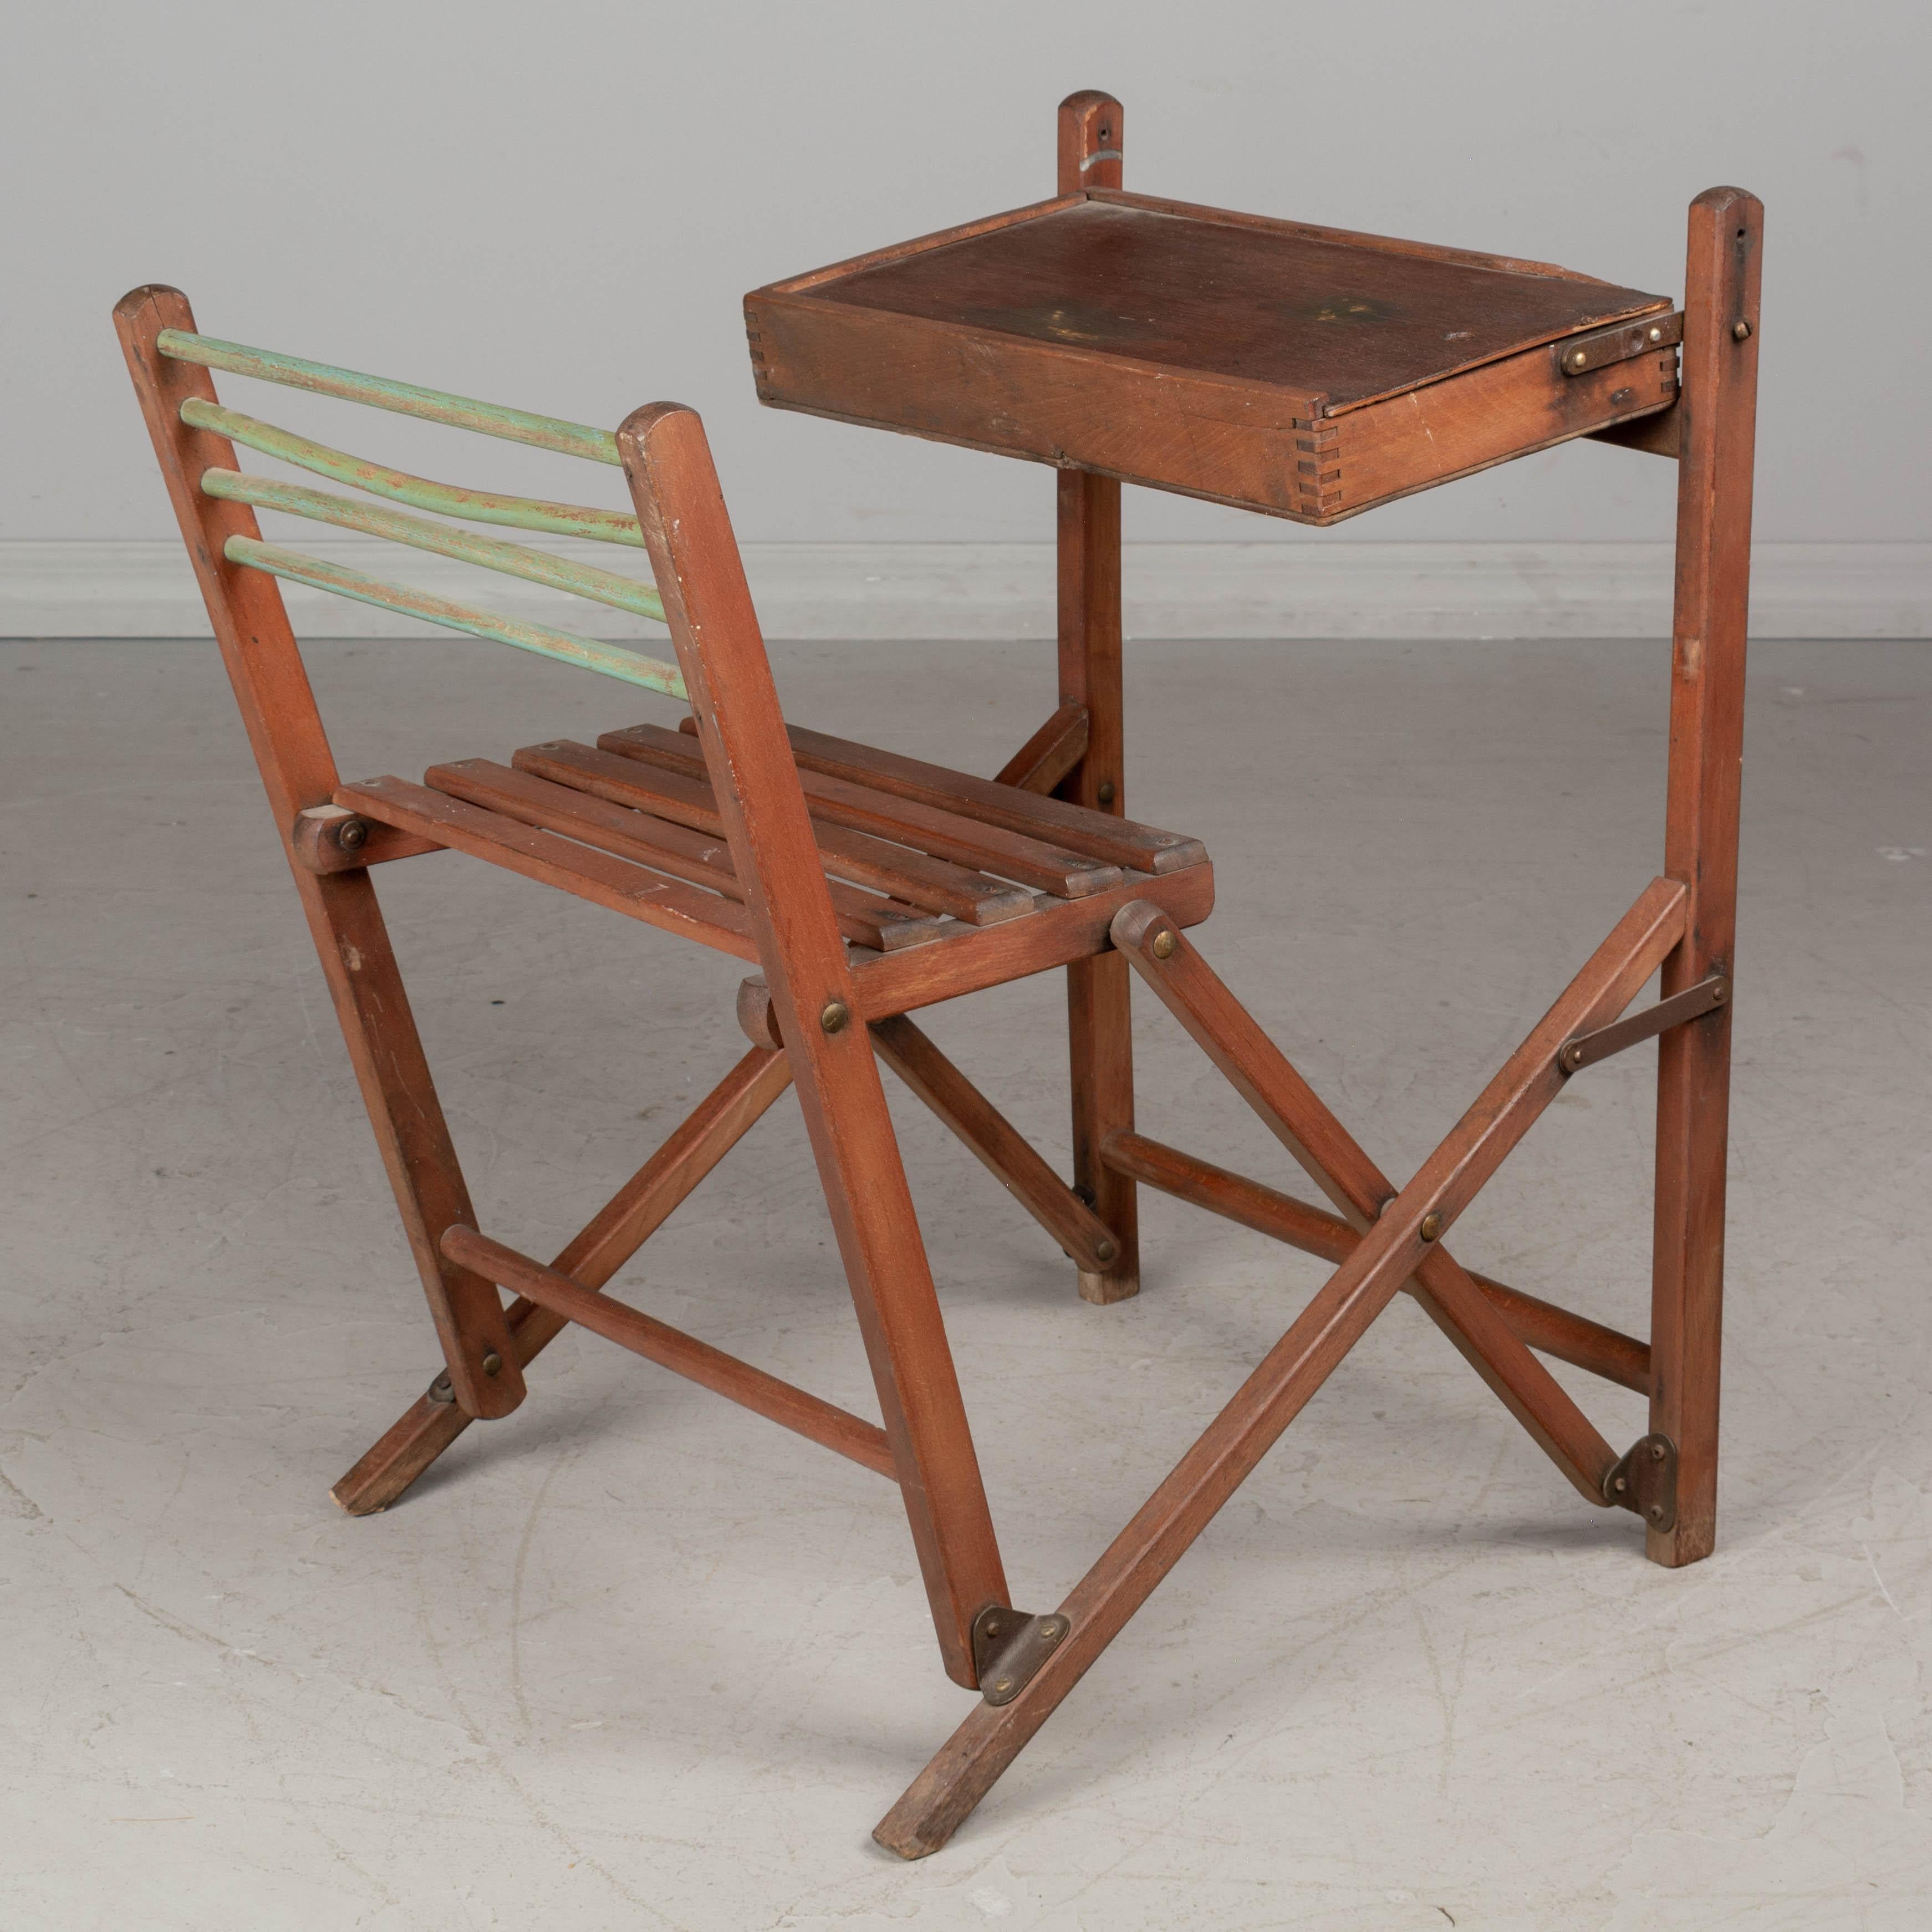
x,y
380,1033
1098,992
642,1206
1714,457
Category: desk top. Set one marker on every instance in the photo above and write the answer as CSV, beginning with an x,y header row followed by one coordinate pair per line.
x,y
1108,331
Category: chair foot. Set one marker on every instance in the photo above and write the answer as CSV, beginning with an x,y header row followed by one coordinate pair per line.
x,y
418,1437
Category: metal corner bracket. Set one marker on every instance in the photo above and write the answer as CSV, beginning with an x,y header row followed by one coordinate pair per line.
x,y
1009,1646
1643,1480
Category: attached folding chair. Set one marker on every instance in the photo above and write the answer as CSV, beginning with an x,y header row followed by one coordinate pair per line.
x,y
863,886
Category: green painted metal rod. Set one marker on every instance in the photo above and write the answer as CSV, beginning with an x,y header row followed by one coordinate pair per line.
x,y
476,506
584,652
534,566
570,439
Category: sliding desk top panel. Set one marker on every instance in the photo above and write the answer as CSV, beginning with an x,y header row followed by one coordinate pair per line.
x,y
1305,372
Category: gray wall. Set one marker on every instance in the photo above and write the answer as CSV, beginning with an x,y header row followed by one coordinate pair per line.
x,y
559,206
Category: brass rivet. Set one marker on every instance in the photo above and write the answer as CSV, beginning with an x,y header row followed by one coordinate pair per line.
x,y
1004,1684
1432,1226
1657,335
993,1628
1104,1251
1721,992
1740,331
1051,1634
1578,359
1106,794
833,1016
352,833
1163,944
493,1363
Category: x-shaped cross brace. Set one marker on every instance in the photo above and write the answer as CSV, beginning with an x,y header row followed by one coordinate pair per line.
x,y
1400,1241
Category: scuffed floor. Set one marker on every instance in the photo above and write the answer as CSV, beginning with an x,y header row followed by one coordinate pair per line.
x,y
634,1659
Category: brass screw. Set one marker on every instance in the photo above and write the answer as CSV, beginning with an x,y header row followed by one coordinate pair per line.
x,y
1432,1226
1106,794
1657,1512
1104,1251
834,1016
493,1363
1657,1452
1740,331
352,833
1623,1483
1163,944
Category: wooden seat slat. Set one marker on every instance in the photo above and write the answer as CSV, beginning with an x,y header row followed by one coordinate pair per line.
x,y
937,885
1033,862
864,918
543,856
1116,841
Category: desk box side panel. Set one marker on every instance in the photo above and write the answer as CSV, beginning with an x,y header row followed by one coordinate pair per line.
x,y
1473,421
1168,429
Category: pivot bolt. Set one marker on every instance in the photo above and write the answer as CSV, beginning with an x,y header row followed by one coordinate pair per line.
x,y
353,834
1104,1251
1432,1226
1164,943
493,1363
833,1016
1106,794
1740,332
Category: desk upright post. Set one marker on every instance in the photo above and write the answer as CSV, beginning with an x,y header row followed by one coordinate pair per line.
x,y
1098,991
1714,515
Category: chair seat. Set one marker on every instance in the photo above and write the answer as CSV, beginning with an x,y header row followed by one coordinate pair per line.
x,y
984,881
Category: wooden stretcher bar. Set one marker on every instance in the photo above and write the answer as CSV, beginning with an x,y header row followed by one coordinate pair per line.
x,y
781,1402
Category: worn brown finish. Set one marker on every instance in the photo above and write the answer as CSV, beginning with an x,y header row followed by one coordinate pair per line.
x,y
1050,754
331,838
1308,372
1336,1318
297,772
917,877
1722,275
792,1408
1312,373
967,841
614,1235
1549,1329
997,1145
695,559
863,917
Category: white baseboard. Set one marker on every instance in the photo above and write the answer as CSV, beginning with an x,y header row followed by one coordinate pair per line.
x,y
86,589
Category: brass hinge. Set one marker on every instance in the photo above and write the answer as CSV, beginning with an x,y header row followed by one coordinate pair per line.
x,y
1578,355
1009,1646
1644,1479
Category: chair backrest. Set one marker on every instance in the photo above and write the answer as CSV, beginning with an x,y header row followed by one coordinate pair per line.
x,y
680,519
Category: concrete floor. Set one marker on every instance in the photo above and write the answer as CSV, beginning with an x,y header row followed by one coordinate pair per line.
x,y
634,1659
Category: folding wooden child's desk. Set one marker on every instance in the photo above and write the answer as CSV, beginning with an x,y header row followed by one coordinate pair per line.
x,y
1313,374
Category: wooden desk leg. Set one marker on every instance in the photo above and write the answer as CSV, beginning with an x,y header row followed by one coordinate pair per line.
x,y
1099,1013
1099,992
1714,511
